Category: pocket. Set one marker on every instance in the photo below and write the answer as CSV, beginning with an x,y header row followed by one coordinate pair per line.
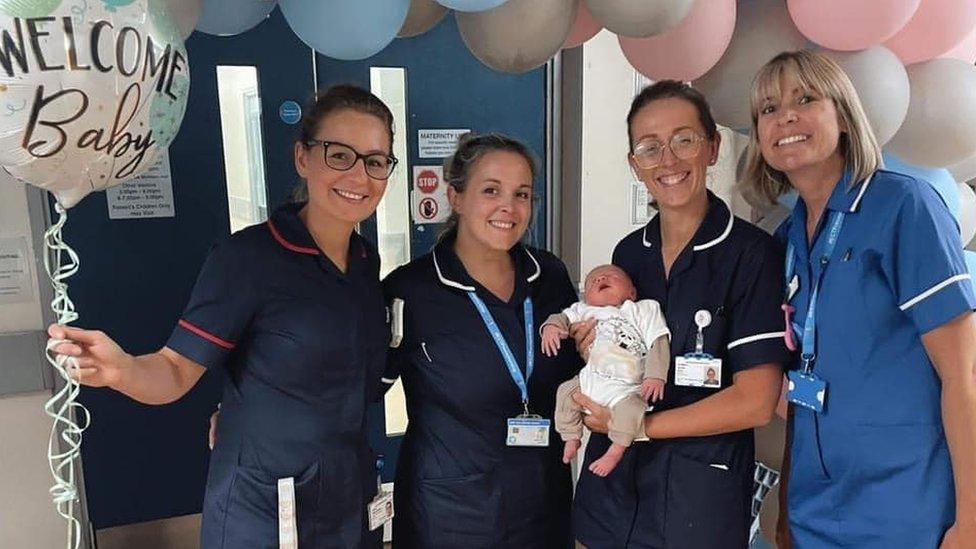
x,y
706,506
459,512
252,508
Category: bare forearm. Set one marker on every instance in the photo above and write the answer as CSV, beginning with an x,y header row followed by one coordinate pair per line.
x,y
158,378
959,420
748,403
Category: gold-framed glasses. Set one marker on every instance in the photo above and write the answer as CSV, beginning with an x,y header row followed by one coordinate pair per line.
x,y
649,153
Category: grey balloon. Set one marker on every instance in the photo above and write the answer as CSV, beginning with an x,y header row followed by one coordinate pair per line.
x,y
640,18
763,28
519,35
423,16
882,84
939,129
186,14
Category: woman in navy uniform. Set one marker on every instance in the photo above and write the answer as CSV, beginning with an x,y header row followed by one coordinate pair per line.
x,y
887,456
719,282
293,311
459,482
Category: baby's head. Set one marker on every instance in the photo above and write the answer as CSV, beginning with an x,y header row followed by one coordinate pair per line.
x,y
608,285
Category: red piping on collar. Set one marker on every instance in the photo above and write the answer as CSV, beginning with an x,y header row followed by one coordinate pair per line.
x,y
206,335
288,245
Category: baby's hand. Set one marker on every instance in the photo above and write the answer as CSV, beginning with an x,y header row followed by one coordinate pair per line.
x,y
551,336
652,389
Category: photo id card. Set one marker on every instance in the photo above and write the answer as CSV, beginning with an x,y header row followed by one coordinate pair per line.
x,y
528,431
698,371
806,390
380,510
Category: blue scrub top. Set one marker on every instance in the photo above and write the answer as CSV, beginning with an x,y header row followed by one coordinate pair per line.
x,y
691,492
873,469
457,483
302,345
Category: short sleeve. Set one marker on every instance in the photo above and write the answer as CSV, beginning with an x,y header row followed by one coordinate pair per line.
x,y
926,266
220,308
756,333
650,320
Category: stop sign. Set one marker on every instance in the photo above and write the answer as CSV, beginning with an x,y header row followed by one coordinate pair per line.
x,y
427,181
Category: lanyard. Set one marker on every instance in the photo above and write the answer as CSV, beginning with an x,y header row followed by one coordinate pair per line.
x,y
836,221
496,334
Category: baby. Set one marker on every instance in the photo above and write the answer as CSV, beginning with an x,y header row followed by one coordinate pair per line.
x,y
628,363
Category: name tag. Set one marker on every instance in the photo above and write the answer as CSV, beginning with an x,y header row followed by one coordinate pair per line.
x,y
806,390
380,510
287,527
698,371
528,431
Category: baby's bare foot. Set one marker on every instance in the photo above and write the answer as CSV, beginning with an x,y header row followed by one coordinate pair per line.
x,y
570,449
603,466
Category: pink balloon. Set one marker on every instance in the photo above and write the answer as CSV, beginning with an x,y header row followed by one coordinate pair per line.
x,y
965,50
584,28
851,25
937,27
688,50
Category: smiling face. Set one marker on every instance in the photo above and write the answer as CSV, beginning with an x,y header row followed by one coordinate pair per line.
x,y
348,196
496,206
798,128
674,182
608,285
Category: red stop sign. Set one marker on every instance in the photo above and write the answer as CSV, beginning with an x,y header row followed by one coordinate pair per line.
x,y
427,181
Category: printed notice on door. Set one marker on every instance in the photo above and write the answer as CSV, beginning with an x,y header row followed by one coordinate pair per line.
x,y
15,279
438,143
145,196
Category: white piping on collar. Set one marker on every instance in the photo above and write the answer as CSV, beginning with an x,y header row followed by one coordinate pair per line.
x,y
721,237
860,195
453,284
647,244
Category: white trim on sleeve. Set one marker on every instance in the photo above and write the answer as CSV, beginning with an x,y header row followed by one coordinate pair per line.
x,y
755,338
388,381
928,293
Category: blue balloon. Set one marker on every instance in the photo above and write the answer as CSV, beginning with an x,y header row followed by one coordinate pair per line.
x,y
346,29
939,178
229,17
471,5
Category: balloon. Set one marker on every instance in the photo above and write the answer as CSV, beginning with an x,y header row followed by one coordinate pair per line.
x,y
584,27
185,14
967,213
639,18
701,38
471,5
229,17
936,27
763,28
939,178
939,128
423,16
346,29
965,170
965,50
882,84
846,25
107,104
519,35
971,264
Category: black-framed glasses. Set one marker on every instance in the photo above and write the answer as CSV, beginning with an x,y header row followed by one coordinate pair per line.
x,y
649,153
342,157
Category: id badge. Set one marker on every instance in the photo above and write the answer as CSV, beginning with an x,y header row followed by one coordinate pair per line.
x,y
380,510
528,431
698,371
806,390
287,528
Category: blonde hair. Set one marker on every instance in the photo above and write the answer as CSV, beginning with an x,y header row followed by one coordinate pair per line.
x,y
761,184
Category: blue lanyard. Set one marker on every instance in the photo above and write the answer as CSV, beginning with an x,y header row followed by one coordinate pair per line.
x,y
836,221
496,334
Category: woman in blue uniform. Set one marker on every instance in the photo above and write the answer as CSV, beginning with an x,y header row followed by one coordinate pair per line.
x,y
470,363
718,280
293,311
884,416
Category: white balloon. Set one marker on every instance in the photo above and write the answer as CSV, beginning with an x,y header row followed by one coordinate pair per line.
x,y
519,35
940,128
185,14
639,18
965,170
763,28
967,213
882,84
423,16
